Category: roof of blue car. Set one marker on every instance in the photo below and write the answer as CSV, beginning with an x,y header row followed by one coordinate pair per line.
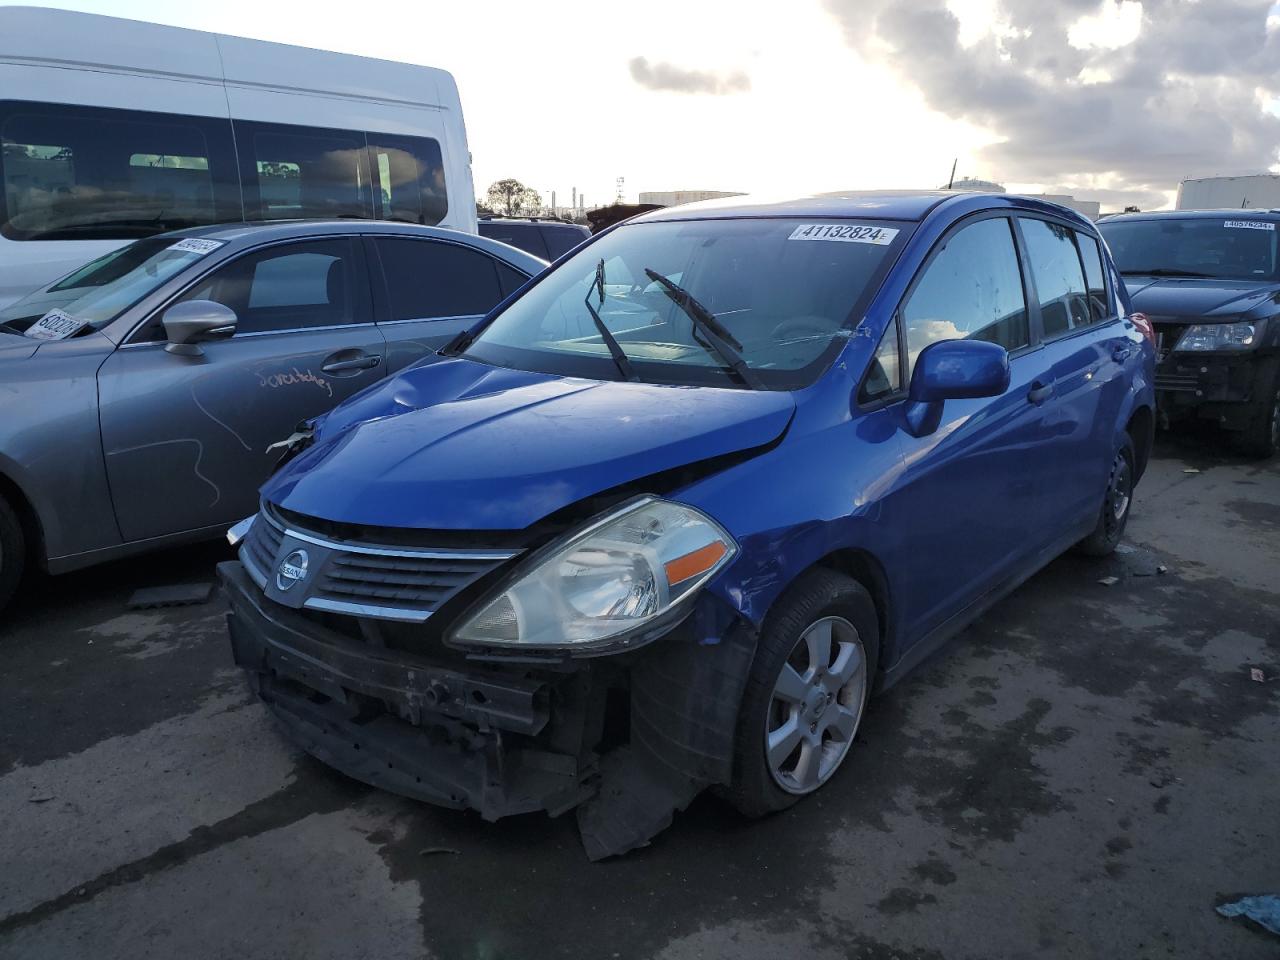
x,y
869,204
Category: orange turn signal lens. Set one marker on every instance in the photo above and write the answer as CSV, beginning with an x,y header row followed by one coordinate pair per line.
x,y
692,564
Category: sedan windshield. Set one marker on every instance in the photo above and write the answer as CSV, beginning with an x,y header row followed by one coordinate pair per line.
x,y
101,290
1221,248
753,303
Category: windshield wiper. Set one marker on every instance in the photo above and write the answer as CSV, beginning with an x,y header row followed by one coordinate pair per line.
x,y
719,339
1162,272
615,350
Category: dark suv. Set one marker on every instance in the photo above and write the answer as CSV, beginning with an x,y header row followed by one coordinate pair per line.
x,y
1209,280
548,239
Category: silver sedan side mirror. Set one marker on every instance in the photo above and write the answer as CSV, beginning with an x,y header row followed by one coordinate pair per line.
x,y
185,324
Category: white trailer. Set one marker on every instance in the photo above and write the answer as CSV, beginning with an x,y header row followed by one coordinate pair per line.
x,y
1230,193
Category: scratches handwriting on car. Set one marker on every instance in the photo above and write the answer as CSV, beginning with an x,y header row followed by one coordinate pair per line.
x,y
195,467
205,411
294,376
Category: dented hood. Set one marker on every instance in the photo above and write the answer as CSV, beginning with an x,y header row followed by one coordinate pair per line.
x,y
1193,297
462,445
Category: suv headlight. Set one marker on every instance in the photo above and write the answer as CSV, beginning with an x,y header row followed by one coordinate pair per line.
x,y
617,574
1220,336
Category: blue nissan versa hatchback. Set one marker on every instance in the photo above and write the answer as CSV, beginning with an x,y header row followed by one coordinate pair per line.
x,y
670,513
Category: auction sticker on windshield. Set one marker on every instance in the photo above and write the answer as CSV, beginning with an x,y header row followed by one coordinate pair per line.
x,y
1250,224
844,232
55,325
196,245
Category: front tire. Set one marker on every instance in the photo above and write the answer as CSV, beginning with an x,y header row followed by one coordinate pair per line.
x,y
12,553
1117,502
809,685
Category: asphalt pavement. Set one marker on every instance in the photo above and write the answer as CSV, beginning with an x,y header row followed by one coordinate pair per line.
x,y
1086,772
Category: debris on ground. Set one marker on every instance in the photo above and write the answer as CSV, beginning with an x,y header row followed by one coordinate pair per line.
x,y
1109,581
430,851
40,798
1190,470
1256,675
1262,910
1123,548
180,595
1162,569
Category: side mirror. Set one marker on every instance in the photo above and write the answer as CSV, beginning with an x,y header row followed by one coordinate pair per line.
x,y
186,324
953,370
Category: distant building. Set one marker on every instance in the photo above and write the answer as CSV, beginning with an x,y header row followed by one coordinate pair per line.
x,y
1222,193
673,198
1089,208
970,185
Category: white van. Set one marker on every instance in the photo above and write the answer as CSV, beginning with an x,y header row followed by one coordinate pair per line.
x,y
116,129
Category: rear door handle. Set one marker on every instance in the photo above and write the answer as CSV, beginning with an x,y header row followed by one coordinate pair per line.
x,y
1039,392
1120,354
356,363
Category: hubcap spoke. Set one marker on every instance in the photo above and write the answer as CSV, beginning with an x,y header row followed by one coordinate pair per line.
x,y
790,686
848,663
782,742
818,640
842,723
807,767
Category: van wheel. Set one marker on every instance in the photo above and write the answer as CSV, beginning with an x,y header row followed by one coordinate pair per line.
x,y
1116,505
809,684
1262,437
12,552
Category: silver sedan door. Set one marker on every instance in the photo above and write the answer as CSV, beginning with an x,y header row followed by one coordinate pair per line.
x,y
186,437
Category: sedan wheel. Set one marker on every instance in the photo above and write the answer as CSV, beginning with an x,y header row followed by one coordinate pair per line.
x,y
817,703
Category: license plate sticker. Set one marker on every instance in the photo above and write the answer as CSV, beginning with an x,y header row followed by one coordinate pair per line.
x,y
844,233
1249,225
55,325
196,245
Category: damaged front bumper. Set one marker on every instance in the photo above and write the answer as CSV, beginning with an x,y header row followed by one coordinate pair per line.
x,y
626,739
1209,386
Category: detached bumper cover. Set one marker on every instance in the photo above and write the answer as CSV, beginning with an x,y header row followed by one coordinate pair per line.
x,y
508,739
1213,386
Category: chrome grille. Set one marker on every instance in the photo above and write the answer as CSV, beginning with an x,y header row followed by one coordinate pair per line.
x,y
384,582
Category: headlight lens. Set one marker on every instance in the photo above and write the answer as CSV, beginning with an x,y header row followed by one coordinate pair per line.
x,y
614,576
1219,336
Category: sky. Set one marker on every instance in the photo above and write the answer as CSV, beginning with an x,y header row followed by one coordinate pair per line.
x,y
1113,100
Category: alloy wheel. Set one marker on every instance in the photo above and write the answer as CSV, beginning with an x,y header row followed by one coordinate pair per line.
x,y
816,705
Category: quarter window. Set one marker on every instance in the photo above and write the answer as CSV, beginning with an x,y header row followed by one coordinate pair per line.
x,y
289,286
971,289
1094,274
1059,276
425,279
885,375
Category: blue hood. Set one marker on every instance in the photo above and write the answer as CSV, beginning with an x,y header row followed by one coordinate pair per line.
x,y
458,445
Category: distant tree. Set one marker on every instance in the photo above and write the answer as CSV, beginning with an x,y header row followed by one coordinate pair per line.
x,y
511,198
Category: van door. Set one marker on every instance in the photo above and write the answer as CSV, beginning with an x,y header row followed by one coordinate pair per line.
x,y
1086,349
972,493
427,291
186,438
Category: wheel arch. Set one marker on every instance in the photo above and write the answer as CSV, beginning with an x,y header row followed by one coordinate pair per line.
x,y
1141,428
28,519
863,567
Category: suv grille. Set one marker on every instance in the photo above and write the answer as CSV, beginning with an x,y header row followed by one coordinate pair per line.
x,y
361,579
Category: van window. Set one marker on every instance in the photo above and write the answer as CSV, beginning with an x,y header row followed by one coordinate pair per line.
x,y
292,172
972,288
1055,265
425,278
84,173
410,178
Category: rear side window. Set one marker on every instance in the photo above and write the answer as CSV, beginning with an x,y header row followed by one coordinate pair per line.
x,y
410,178
291,172
290,286
425,279
972,288
1059,276
84,173
1095,277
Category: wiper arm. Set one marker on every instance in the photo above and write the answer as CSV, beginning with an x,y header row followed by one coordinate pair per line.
x,y
620,357
721,341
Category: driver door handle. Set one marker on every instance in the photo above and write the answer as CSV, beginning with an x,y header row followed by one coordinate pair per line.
x,y
356,363
1039,392
1120,354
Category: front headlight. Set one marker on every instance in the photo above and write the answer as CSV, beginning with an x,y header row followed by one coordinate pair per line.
x,y
1220,336
616,575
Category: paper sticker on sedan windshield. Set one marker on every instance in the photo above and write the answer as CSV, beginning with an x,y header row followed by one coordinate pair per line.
x,y
845,232
55,325
1250,224
196,245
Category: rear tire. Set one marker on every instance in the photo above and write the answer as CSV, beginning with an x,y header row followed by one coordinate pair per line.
x,y
1261,438
818,706
13,553
1117,503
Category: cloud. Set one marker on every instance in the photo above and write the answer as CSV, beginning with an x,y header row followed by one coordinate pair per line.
x,y
666,76
1186,96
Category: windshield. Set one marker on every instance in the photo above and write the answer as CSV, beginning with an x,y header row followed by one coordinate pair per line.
x,y
101,290
1223,249
763,303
